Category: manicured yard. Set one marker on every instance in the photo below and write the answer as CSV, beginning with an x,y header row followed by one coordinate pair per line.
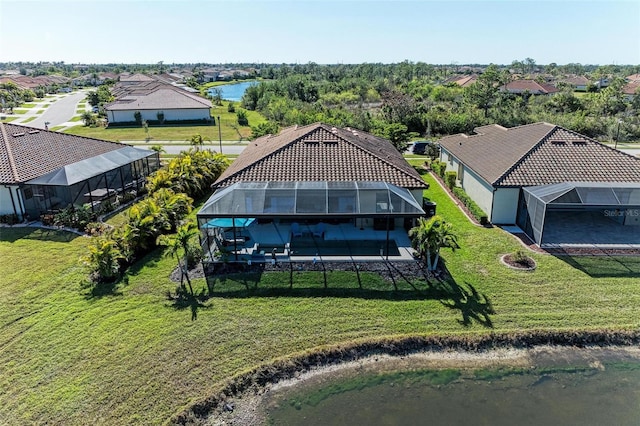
x,y
135,358
29,119
177,133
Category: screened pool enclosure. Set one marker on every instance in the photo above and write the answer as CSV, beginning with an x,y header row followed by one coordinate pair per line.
x,y
90,182
251,219
581,213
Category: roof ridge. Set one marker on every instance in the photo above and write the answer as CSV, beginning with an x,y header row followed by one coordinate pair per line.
x,y
374,154
527,153
262,159
7,145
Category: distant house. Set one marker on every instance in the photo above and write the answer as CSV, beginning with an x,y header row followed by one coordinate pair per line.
x,y
546,179
631,90
528,86
312,190
579,83
42,171
462,80
153,98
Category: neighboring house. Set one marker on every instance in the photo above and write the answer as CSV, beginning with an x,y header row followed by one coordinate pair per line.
x,y
314,184
462,80
153,97
631,90
528,86
43,171
133,79
25,82
579,83
548,179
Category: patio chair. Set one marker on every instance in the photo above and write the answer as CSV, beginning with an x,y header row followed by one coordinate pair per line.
x,y
295,230
319,230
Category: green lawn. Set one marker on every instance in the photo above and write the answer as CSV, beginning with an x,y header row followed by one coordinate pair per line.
x,y
176,133
76,118
135,358
40,111
9,119
28,105
20,111
28,120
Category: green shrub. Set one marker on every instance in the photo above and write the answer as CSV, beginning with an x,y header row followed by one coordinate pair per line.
x,y
74,217
231,107
475,210
450,179
242,117
10,219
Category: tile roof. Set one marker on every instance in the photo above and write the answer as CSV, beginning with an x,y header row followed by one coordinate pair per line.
x,y
320,152
540,154
27,152
631,88
162,96
531,86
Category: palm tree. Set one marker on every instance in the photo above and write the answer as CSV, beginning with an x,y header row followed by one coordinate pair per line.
x,y
180,240
429,236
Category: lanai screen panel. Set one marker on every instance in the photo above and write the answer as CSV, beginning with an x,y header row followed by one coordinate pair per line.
x,y
317,198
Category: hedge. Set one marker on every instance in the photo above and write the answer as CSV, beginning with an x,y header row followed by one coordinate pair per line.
x,y
475,210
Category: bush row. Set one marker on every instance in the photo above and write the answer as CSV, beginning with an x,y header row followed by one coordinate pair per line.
x,y
169,201
475,210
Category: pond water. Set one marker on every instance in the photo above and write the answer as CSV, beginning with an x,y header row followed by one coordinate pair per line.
x,y
601,394
233,92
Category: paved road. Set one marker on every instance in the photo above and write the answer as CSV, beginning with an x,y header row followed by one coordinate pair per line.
x,y
60,111
228,148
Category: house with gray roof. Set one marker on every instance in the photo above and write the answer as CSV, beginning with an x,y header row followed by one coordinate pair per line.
x,y
310,190
43,171
152,99
558,186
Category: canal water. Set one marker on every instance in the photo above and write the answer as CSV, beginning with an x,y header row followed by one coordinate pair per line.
x,y
233,92
603,392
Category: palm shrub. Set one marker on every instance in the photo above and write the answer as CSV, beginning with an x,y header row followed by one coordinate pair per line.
x,y
185,233
103,259
431,235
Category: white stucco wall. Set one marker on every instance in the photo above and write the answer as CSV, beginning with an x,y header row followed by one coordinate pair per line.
x,y
6,207
479,190
505,206
152,115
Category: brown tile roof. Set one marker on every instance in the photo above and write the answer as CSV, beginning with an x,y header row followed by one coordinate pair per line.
x,y
27,152
633,77
631,88
540,154
531,86
320,152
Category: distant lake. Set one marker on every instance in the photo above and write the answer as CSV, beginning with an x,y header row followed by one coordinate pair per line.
x,y
233,92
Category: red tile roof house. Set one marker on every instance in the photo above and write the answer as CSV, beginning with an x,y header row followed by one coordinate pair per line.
x,y
42,171
558,186
337,192
528,86
151,98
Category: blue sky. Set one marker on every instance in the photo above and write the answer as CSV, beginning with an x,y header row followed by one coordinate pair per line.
x,y
217,31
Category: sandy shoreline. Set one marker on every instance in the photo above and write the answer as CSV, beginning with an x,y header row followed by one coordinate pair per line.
x,y
250,408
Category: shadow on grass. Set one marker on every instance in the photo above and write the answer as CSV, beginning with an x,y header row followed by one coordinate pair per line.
x,y
183,300
11,235
102,289
608,266
473,305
